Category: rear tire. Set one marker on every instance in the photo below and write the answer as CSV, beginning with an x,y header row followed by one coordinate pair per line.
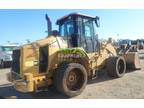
x,y
70,79
116,66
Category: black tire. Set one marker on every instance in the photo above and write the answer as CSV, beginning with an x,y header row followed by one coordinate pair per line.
x,y
70,79
116,66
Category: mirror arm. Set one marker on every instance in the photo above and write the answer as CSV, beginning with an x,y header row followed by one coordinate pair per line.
x,y
97,21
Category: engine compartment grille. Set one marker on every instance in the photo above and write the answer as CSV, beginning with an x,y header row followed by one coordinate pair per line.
x,y
16,61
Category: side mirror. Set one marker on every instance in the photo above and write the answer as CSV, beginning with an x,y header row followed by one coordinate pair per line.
x,y
97,21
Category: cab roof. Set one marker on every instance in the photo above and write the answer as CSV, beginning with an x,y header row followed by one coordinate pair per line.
x,y
73,14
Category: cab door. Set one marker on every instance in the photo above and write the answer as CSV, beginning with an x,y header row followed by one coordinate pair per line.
x,y
88,35
68,32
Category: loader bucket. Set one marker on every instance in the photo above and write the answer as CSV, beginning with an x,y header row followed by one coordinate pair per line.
x,y
132,60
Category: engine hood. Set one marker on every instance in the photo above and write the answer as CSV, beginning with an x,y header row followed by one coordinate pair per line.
x,y
53,41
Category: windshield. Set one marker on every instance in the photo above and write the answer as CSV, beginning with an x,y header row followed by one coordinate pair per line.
x,y
7,48
134,42
124,42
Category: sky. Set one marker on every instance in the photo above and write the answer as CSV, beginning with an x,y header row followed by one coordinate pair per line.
x,y
19,25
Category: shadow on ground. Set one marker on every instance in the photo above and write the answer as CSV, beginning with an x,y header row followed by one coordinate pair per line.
x,y
51,92
103,76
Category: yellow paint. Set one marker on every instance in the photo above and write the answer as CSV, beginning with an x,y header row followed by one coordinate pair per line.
x,y
29,68
29,80
29,63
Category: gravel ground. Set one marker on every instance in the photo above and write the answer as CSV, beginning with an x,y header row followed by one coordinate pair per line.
x,y
128,87
4,77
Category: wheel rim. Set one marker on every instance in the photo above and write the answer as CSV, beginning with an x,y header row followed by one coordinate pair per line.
x,y
121,67
75,80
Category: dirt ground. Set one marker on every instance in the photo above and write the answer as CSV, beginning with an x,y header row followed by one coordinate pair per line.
x,y
128,87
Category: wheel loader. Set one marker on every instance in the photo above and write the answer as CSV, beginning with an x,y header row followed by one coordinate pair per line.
x,y
67,58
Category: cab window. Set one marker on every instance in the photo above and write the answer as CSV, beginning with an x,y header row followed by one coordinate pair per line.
x,y
88,28
7,48
67,29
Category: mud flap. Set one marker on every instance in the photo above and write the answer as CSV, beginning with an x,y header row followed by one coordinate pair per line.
x,y
132,60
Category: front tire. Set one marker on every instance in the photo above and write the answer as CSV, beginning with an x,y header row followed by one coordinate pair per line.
x,y
70,79
116,66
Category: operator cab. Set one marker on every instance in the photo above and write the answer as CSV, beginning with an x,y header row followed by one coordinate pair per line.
x,y
79,30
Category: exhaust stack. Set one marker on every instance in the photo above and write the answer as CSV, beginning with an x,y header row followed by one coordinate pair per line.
x,y
49,25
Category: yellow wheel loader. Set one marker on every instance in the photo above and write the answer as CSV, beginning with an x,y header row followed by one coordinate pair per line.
x,y
67,58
